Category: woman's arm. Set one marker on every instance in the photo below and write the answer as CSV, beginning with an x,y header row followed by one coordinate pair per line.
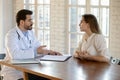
x,y
87,56
96,58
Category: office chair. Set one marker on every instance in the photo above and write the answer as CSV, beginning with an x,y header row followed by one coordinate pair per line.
x,y
2,56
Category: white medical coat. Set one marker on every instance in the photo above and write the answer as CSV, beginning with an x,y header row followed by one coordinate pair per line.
x,y
18,46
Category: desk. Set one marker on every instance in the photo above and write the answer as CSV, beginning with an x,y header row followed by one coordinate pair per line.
x,y
72,69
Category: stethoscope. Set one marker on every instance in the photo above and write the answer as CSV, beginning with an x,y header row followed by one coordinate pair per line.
x,y
25,43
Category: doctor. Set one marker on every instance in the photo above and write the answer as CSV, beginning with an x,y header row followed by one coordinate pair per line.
x,y
21,43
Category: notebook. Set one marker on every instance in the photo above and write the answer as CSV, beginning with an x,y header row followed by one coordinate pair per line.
x,y
54,58
24,61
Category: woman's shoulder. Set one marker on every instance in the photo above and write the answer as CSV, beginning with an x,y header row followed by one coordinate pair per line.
x,y
99,35
99,38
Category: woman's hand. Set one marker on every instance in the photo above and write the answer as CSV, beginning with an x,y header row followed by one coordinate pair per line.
x,y
82,54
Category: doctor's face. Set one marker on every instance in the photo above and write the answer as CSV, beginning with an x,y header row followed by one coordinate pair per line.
x,y
28,23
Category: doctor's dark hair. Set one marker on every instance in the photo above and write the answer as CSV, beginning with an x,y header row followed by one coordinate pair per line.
x,y
21,15
92,21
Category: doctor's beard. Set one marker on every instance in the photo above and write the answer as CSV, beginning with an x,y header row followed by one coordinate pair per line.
x,y
29,27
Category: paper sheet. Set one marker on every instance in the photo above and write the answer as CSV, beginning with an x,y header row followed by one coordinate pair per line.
x,y
54,58
24,61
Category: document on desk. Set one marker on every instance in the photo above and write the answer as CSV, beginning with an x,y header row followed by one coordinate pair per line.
x,y
25,61
54,58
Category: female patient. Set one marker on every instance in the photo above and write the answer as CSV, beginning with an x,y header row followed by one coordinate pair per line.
x,y
93,45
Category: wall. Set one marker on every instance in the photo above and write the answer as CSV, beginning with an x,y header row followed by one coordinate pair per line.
x,y
18,5
1,24
58,28
6,10
115,28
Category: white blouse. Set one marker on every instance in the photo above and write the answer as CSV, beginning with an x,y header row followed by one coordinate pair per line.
x,y
95,45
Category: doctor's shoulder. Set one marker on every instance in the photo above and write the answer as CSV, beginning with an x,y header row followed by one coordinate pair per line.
x,y
31,33
11,33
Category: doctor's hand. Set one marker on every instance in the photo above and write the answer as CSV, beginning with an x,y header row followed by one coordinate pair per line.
x,y
42,50
51,52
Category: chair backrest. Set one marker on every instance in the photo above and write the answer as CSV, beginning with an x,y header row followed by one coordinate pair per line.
x,y
2,55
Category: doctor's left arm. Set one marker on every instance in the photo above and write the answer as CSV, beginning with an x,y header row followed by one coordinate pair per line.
x,y
13,49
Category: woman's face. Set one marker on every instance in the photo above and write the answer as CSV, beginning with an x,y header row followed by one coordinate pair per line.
x,y
83,25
